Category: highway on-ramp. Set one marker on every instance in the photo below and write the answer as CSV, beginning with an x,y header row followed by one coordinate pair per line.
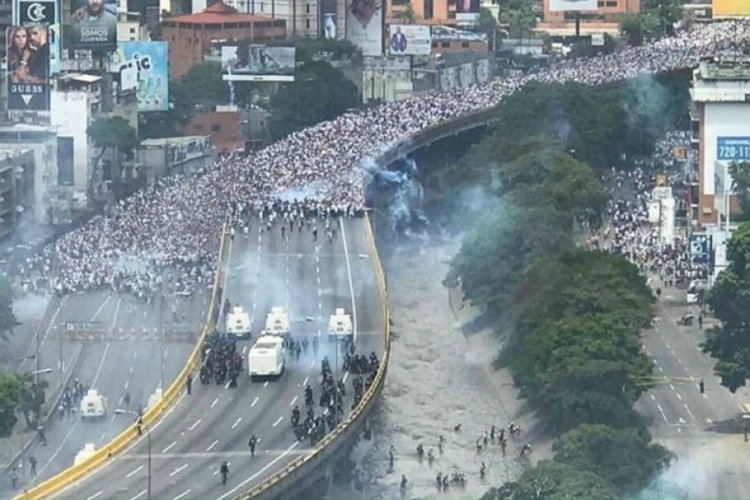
x,y
112,344
213,424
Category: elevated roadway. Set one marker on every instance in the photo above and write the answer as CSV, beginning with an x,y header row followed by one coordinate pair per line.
x,y
113,344
213,424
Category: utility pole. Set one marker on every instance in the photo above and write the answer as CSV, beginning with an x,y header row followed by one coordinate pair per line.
x,y
162,299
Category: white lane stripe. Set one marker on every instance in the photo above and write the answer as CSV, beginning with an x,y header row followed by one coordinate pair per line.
x,y
169,447
95,495
304,383
278,421
237,422
134,472
194,425
351,282
178,470
139,495
212,445
214,403
183,494
293,401
255,401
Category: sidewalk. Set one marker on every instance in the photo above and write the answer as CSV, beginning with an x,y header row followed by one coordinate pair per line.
x,y
20,357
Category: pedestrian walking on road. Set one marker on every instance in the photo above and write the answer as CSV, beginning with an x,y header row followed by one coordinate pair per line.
x,y
224,470
32,464
42,437
189,384
700,322
251,444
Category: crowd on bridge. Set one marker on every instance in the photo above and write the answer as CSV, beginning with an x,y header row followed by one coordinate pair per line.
x,y
175,225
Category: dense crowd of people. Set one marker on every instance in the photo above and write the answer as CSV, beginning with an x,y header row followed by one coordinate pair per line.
x,y
175,225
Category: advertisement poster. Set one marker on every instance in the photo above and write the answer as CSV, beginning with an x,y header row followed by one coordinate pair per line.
x,y
27,76
467,12
327,19
245,62
144,66
364,26
42,13
572,5
409,40
730,8
92,25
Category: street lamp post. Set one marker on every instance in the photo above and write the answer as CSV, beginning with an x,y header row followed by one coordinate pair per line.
x,y
120,411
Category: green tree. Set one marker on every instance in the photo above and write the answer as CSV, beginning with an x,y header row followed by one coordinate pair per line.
x,y
551,481
7,318
520,17
632,28
320,92
310,49
487,24
729,298
740,172
32,396
10,388
112,133
625,457
407,13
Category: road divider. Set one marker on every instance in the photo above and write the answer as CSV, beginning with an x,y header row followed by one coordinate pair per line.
x,y
79,471
370,394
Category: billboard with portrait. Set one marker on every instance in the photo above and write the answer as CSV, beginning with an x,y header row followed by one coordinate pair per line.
x,y
409,40
42,13
247,62
572,5
148,63
27,75
364,25
91,24
730,8
467,12
327,19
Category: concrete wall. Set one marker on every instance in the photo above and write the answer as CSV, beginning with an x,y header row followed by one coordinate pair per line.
x,y
70,117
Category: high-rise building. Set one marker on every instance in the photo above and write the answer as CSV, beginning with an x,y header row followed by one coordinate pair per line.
x,y
6,19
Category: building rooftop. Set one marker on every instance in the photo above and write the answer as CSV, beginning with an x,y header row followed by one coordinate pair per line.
x,y
724,67
218,13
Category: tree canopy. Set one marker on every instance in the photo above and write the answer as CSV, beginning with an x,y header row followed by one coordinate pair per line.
x,y
10,390
740,173
729,298
7,318
320,92
625,457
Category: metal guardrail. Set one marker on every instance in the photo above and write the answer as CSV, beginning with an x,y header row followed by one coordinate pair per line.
x,y
117,444
367,397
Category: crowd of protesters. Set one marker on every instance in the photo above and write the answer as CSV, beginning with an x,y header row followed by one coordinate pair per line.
x,y
175,225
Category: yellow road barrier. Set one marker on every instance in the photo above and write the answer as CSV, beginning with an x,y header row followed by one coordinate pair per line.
x,y
369,394
77,472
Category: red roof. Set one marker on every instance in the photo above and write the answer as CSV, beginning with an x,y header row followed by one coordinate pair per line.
x,y
218,13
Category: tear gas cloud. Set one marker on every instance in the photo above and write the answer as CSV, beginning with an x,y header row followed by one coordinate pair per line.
x,y
401,191
30,307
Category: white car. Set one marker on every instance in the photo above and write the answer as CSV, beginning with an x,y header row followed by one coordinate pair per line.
x,y
93,405
340,325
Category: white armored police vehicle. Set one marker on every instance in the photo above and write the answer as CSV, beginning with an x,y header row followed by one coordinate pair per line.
x,y
339,325
267,357
277,322
239,323
93,405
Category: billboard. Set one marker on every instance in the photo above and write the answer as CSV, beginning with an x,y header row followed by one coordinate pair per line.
x,y
91,24
733,148
730,8
42,13
467,12
245,62
364,26
144,66
572,5
27,75
409,40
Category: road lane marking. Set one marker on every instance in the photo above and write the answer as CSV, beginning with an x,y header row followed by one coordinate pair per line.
x,y
351,282
266,384
293,401
304,383
689,412
704,395
134,472
661,410
668,346
194,425
101,365
671,387
169,447
660,368
653,398
278,421
178,470
214,403
255,401
130,370
226,386
678,395
139,495
709,421
212,445
127,383
95,495
270,464
346,374
244,349
237,422
183,494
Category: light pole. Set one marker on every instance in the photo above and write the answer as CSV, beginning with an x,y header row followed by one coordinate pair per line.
x,y
120,411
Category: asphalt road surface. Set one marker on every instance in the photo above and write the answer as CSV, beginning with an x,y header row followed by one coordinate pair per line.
x,y
676,406
213,424
118,352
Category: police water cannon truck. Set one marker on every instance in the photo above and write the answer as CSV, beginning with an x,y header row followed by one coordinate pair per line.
x,y
239,323
340,325
277,322
93,405
267,357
